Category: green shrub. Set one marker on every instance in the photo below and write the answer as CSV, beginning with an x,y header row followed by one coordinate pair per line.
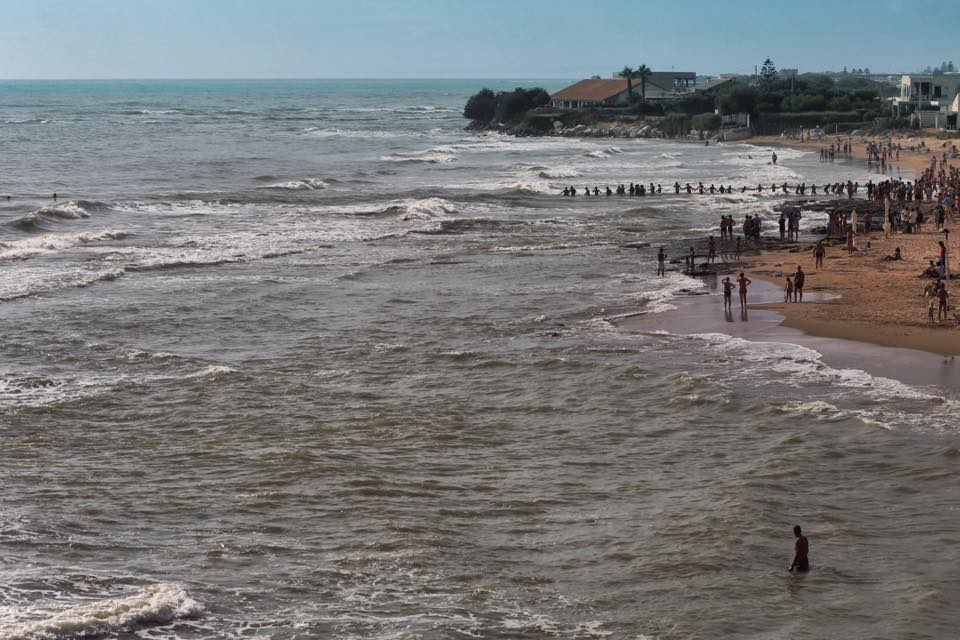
x,y
505,106
705,122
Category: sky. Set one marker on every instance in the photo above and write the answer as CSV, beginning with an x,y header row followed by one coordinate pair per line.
x,y
464,38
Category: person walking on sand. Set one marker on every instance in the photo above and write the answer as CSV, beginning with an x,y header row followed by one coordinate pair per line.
x,y
736,251
798,279
801,563
744,282
711,250
942,296
818,253
661,258
727,294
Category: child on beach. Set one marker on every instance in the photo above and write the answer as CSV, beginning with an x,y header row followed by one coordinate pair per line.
x,y
788,291
736,252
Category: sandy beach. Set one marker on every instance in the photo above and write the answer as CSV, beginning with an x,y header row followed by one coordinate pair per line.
x,y
871,299
857,295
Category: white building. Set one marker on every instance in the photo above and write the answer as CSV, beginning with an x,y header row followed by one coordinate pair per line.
x,y
928,92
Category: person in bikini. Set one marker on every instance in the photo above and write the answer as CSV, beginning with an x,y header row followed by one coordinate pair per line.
x,y
744,282
798,279
727,294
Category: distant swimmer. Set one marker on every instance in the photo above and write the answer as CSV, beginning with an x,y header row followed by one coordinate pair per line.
x,y
54,196
801,563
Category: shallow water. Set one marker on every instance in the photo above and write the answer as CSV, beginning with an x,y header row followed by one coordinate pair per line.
x,y
285,362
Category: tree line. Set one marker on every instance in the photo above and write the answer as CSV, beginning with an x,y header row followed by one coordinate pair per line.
x,y
769,92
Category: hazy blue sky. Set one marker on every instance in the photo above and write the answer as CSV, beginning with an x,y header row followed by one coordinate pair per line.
x,y
464,38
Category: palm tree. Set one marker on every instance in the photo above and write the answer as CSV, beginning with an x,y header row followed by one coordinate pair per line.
x,y
643,72
628,74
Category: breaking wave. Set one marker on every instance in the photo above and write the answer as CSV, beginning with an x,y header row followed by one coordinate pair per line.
x,y
435,155
70,210
154,605
28,247
306,184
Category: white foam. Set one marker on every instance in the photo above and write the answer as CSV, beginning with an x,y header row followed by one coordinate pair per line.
x,y
306,184
359,134
434,155
889,401
157,604
49,243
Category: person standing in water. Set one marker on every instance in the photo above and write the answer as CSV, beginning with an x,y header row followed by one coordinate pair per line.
x,y
744,282
727,294
661,257
800,564
798,280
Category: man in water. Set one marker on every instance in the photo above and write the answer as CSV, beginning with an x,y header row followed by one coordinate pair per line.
x,y
801,547
661,257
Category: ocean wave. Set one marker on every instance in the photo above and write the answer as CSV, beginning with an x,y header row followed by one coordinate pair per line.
x,y
15,289
549,172
306,184
434,155
880,401
26,121
28,247
603,153
70,210
359,134
151,112
154,605
458,225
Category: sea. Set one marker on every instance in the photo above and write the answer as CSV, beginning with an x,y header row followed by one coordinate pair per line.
x,y
305,359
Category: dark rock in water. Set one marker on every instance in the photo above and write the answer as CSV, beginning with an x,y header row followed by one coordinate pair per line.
x,y
830,204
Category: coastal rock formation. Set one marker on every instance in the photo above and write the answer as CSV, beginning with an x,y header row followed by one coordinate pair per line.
x,y
619,128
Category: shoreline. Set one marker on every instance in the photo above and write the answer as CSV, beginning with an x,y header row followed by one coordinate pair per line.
x,y
872,300
859,309
763,323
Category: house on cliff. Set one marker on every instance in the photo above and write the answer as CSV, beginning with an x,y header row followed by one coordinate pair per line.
x,y
591,93
660,85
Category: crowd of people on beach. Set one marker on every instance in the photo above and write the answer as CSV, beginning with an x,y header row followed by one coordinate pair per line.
x,y
894,205
848,189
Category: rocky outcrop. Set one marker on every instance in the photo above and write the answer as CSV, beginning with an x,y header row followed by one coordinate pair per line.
x,y
641,129
597,129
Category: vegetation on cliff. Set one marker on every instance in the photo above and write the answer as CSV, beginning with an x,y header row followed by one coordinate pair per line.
x,y
774,100
504,107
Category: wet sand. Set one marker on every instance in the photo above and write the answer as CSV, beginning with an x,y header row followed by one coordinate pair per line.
x,y
763,323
